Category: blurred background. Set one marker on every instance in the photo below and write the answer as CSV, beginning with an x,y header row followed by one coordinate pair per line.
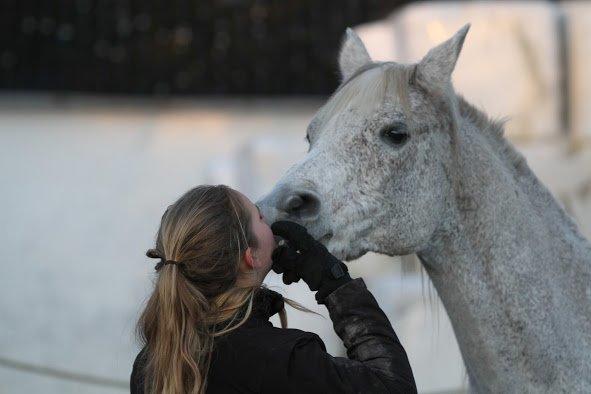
x,y
111,109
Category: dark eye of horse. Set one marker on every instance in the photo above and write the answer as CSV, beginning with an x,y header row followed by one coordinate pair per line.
x,y
396,134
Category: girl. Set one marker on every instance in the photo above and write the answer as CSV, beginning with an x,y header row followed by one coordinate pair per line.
x,y
206,329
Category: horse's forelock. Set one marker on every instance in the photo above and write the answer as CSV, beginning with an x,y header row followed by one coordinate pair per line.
x,y
366,91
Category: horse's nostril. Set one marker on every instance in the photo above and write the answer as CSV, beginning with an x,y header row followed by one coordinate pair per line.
x,y
302,205
293,202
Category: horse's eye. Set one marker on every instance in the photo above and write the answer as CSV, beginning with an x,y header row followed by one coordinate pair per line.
x,y
396,134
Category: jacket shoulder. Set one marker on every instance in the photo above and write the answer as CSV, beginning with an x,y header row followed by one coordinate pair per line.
x,y
267,340
290,338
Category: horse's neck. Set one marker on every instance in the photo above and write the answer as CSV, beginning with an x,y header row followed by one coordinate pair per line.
x,y
515,277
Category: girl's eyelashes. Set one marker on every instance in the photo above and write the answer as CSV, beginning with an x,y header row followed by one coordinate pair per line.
x,y
260,213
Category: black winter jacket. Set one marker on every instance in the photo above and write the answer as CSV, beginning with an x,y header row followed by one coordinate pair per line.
x,y
260,358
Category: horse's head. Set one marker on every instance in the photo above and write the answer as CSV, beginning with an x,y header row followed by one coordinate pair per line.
x,y
376,175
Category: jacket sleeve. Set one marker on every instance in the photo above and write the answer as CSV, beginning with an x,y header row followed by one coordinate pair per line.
x,y
376,363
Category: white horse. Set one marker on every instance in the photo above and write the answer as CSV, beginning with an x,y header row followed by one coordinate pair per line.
x,y
399,164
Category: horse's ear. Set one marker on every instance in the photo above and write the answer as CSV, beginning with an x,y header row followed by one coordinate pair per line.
x,y
438,64
352,54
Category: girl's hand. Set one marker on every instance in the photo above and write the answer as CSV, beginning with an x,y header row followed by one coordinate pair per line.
x,y
302,257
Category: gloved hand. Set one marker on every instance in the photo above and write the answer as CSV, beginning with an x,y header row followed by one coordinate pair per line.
x,y
304,257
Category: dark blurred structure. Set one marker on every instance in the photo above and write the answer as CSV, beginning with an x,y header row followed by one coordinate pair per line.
x,y
177,46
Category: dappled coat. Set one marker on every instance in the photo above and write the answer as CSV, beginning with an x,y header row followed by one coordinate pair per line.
x,y
260,358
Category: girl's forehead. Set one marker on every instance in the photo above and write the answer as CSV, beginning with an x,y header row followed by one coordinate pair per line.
x,y
246,201
243,198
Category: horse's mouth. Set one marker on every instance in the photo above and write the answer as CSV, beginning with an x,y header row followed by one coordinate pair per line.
x,y
325,238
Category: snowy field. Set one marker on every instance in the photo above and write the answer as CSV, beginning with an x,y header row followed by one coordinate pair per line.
x,y
85,182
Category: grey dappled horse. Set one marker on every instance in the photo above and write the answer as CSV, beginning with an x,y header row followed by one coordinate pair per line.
x,y
398,163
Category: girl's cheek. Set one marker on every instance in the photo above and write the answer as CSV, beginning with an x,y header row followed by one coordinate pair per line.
x,y
271,237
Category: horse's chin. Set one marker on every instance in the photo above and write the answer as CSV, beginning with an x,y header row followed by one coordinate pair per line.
x,y
345,253
342,247
354,255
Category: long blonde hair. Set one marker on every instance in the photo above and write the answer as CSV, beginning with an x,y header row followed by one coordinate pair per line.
x,y
206,231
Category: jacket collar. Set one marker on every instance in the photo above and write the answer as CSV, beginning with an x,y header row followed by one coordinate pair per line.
x,y
266,303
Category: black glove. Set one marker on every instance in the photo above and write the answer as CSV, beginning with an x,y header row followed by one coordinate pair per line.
x,y
304,257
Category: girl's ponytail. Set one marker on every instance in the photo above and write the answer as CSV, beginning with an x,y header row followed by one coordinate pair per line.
x,y
176,336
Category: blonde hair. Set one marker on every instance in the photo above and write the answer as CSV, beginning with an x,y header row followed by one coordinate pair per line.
x,y
207,230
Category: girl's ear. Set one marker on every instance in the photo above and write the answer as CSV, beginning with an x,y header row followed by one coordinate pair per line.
x,y
249,259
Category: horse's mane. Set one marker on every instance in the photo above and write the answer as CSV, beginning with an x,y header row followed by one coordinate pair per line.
x,y
493,130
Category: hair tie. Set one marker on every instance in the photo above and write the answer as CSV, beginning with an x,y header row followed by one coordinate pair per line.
x,y
163,262
154,254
